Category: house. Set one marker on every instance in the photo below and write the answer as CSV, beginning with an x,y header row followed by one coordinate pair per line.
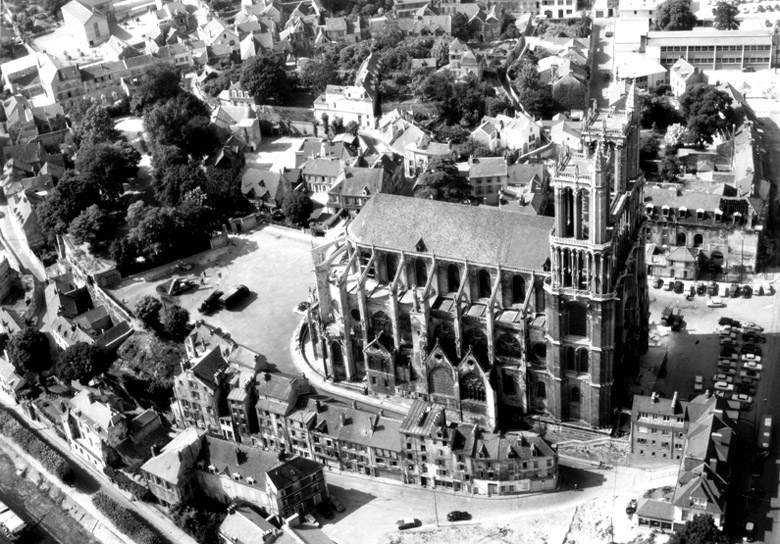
x,y
93,424
239,421
243,525
22,206
204,338
11,382
261,187
86,23
358,102
319,175
518,133
199,391
464,60
488,176
282,485
169,473
683,75
276,396
354,186
241,121
217,33
704,438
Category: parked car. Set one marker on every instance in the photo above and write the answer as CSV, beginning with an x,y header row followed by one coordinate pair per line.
x,y
758,337
746,389
176,286
753,365
722,378
749,325
752,357
679,287
458,515
608,34
747,291
669,286
211,303
701,289
751,348
755,493
324,510
750,528
235,296
749,376
743,398
184,267
658,283
733,290
724,386
728,321
337,504
631,508
713,288
714,302
407,523
750,68
698,383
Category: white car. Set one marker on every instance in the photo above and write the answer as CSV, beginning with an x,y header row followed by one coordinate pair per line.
x,y
751,357
752,365
722,378
715,302
724,386
752,326
747,399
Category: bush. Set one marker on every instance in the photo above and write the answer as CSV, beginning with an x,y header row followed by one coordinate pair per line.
x,y
126,483
126,521
50,459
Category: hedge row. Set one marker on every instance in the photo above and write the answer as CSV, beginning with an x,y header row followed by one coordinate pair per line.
x,y
126,521
51,459
126,483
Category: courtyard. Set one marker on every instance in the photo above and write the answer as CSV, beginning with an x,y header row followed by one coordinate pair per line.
x,y
273,262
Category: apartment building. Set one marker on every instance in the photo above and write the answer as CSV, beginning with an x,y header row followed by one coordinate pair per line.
x,y
199,390
707,48
657,427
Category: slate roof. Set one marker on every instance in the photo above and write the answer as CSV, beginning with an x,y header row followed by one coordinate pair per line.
x,y
682,254
85,406
244,526
659,510
355,180
288,472
477,234
423,418
658,406
322,167
488,166
208,365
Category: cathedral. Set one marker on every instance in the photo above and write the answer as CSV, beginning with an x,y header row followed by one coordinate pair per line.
x,y
491,313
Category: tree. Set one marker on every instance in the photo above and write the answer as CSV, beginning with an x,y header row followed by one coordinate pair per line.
x,y
352,128
297,206
441,51
463,29
675,135
441,181
96,126
537,101
657,110
29,351
171,184
669,168
707,110
265,78
108,166
148,311
726,16
700,530
184,122
160,82
318,74
648,146
674,15
92,226
156,233
66,201
175,320
81,362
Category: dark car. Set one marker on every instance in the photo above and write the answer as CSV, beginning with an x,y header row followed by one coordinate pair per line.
x,y
458,515
337,504
211,303
631,508
658,283
758,467
753,337
235,296
747,291
751,348
679,287
755,493
746,389
728,321
701,289
324,511
713,288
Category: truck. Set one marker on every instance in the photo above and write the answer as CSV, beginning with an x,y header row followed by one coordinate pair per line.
x,y
211,303
765,436
235,296
11,524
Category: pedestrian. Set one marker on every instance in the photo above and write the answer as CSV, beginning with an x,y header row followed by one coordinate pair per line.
x,y
576,487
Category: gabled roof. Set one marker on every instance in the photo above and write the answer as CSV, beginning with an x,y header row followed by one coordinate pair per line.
x,y
477,234
176,456
364,182
80,12
289,472
244,526
681,254
209,365
322,167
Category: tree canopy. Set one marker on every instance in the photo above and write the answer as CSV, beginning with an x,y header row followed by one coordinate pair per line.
x,y
92,226
175,320
726,16
462,28
297,206
265,77
182,121
94,127
160,82
441,181
318,74
66,201
458,102
147,309
707,110
108,166
700,530
674,15
82,362
29,351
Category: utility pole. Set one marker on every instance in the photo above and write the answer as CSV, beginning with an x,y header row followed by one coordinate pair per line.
x,y
435,505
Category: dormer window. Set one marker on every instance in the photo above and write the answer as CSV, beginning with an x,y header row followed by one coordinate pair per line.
x,y
700,214
212,469
236,476
718,215
665,211
682,213
251,481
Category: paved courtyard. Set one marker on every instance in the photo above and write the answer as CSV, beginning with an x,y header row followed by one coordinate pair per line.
x,y
273,262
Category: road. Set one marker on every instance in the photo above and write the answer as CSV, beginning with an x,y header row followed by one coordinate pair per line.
x,y
13,239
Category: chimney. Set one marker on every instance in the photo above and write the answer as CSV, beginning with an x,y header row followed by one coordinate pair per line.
x,y
343,418
708,393
239,456
381,412
155,450
317,405
674,399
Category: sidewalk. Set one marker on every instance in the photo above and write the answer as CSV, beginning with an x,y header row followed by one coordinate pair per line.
x,y
301,359
155,518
